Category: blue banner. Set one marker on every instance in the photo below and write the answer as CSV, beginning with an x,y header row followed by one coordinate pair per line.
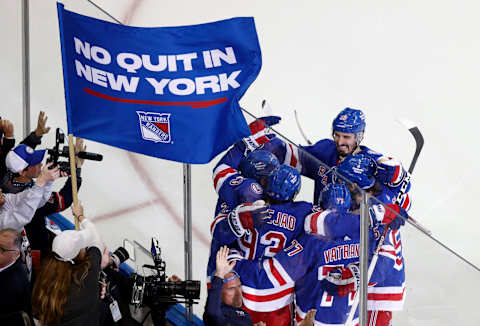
x,y
168,92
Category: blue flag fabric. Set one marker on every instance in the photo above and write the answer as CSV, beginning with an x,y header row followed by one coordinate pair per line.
x,y
168,92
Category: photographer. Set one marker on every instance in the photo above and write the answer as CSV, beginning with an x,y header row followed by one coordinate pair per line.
x,y
66,291
24,167
118,290
224,301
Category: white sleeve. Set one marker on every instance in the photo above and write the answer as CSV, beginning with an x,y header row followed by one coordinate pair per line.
x,y
47,193
19,208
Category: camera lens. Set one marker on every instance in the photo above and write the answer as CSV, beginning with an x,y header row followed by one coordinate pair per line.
x,y
120,255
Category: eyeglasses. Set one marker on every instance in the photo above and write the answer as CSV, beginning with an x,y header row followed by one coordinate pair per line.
x,y
3,250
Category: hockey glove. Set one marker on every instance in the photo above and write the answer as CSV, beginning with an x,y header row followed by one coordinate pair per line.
x,y
259,130
263,123
393,219
246,216
390,172
342,281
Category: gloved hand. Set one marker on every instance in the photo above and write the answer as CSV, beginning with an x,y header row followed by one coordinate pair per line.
x,y
263,123
393,219
259,130
390,172
342,281
246,216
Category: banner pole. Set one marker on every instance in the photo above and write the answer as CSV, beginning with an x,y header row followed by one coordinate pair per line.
x,y
363,290
26,67
73,170
187,228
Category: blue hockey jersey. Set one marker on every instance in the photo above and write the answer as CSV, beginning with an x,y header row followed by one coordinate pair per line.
x,y
285,223
305,262
306,162
326,151
387,284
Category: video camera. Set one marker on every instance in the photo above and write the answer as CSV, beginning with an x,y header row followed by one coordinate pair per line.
x,y
156,292
56,152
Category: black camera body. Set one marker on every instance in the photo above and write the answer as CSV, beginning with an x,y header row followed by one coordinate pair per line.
x,y
59,151
156,292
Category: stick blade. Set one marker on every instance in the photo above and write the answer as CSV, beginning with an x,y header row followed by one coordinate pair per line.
x,y
417,135
267,109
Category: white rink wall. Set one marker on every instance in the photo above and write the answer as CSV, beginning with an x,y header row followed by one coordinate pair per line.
x,y
409,59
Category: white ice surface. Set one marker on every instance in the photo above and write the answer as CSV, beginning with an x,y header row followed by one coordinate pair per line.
x,y
405,59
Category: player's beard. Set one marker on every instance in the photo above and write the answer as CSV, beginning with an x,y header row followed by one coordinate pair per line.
x,y
345,150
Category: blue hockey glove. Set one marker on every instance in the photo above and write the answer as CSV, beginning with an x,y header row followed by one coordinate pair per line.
x,y
390,172
342,281
260,132
263,123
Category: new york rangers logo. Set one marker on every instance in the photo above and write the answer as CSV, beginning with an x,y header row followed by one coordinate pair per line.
x,y
155,126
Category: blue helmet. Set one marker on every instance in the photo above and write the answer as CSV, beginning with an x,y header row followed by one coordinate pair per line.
x,y
284,184
336,197
359,169
350,121
258,163
248,191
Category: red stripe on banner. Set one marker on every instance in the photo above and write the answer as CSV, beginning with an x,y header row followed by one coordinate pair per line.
x,y
268,297
293,160
313,223
194,105
221,174
386,296
276,273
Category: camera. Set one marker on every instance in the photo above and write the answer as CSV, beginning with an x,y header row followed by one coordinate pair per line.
x,y
156,292
56,152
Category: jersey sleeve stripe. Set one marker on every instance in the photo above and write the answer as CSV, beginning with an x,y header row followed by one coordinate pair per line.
x,y
291,157
220,174
268,297
273,274
316,223
215,222
406,202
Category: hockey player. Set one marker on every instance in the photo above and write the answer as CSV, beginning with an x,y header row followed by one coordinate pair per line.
x,y
239,189
256,231
347,131
387,285
305,263
260,164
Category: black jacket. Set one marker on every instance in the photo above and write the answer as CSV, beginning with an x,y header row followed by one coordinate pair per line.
x,y
219,314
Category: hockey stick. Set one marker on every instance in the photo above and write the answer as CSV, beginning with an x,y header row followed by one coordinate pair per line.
x,y
267,109
417,135
419,141
300,128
